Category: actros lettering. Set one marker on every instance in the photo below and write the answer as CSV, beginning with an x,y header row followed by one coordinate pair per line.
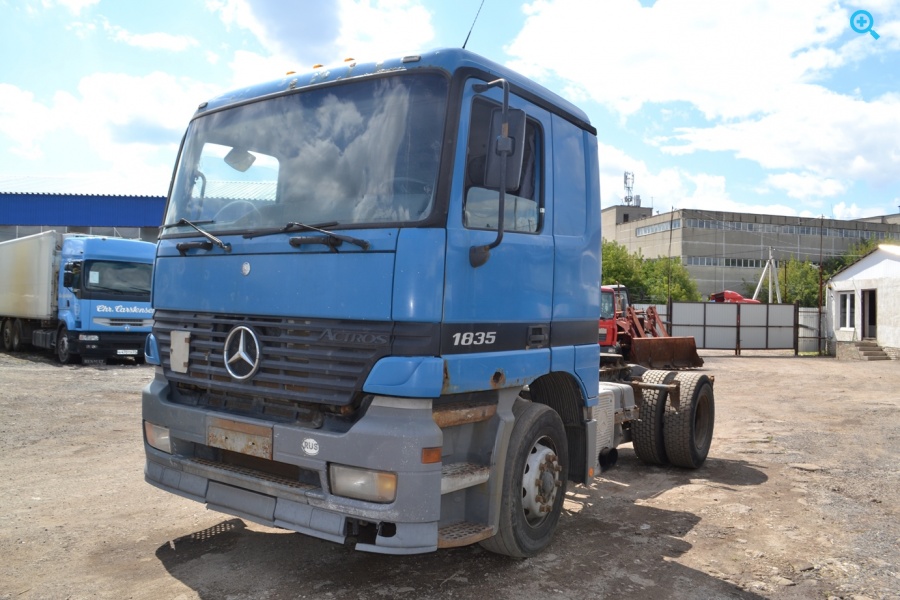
x,y
354,337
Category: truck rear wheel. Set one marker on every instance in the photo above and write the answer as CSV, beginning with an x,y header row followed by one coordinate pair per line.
x,y
16,341
647,431
63,350
7,325
534,482
688,432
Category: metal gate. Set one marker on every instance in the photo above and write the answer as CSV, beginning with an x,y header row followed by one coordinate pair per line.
x,y
735,326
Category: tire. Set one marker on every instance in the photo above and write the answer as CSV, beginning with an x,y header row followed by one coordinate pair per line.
x,y
529,513
688,432
7,326
63,350
647,432
17,344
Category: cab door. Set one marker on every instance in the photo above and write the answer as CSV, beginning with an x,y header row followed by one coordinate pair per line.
x,y
506,303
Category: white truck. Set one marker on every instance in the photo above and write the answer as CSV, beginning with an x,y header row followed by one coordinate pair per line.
x,y
78,295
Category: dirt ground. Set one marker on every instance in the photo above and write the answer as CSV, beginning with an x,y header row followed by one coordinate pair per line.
x,y
800,498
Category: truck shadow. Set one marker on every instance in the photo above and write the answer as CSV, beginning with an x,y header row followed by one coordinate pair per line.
x,y
608,544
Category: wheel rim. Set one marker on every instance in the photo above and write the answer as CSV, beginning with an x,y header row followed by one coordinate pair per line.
x,y
63,348
540,482
702,420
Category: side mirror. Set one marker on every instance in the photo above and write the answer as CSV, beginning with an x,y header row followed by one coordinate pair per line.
x,y
509,143
504,161
71,273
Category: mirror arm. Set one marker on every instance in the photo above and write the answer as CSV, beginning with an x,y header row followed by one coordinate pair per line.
x,y
478,255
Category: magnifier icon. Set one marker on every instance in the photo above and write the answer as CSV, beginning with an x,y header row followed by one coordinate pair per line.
x,y
861,22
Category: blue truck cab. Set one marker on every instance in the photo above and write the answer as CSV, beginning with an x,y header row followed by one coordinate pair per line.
x,y
81,296
104,298
376,298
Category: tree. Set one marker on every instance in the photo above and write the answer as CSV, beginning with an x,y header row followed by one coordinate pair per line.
x,y
619,266
666,278
798,281
652,279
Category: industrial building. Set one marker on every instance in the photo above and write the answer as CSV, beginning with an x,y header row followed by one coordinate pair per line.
x,y
728,251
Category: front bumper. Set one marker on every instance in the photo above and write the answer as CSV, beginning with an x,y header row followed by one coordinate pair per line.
x,y
109,345
390,437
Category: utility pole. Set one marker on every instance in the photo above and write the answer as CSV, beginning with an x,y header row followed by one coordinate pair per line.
x,y
819,326
771,269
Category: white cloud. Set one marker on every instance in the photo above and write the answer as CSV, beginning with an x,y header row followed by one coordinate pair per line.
x,y
24,121
74,6
832,135
673,187
249,68
729,59
373,29
130,125
330,31
150,41
806,185
755,70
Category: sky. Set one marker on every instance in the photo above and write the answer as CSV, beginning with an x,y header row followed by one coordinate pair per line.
x,y
770,107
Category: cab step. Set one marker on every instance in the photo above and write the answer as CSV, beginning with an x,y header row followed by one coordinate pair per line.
x,y
458,476
463,534
461,413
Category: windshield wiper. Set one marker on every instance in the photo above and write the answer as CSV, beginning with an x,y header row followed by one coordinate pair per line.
x,y
293,226
206,234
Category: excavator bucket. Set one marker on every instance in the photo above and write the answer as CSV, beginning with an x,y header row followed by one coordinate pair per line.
x,y
665,352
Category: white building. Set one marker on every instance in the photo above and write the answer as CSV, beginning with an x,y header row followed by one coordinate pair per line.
x,y
863,303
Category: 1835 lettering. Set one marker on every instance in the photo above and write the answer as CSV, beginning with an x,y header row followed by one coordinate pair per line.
x,y
474,338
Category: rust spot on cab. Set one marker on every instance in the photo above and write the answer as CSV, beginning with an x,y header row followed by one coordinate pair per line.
x,y
498,380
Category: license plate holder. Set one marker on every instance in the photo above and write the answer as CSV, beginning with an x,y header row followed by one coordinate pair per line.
x,y
244,438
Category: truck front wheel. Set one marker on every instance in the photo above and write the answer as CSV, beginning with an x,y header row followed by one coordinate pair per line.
x,y
534,482
63,350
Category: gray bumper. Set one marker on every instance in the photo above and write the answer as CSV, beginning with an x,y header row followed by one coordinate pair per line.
x,y
389,438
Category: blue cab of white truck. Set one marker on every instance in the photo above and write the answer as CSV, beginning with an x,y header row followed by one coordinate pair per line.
x,y
376,298
80,296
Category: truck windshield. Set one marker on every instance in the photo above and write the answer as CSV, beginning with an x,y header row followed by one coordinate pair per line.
x,y
358,153
117,278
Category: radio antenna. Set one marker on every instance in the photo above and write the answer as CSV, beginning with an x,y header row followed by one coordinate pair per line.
x,y
473,24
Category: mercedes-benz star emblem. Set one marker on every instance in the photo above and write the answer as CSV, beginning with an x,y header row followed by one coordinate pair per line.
x,y
241,353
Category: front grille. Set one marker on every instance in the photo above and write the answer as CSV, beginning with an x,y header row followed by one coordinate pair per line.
x,y
304,362
123,322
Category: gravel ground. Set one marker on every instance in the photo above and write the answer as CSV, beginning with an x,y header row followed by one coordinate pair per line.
x,y
798,499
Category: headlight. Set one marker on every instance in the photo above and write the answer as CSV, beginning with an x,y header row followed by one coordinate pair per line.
x,y
158,437
363,484
602,335
88,337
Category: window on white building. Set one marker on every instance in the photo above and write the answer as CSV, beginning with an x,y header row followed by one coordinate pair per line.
x,y
847,302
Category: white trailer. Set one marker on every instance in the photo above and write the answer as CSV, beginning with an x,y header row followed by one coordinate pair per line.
x,y
28,270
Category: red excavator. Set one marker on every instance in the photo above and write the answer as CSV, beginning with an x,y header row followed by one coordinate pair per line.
x,y
640,336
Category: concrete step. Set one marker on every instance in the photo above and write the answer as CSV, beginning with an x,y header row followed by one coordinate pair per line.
x,y
881,357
